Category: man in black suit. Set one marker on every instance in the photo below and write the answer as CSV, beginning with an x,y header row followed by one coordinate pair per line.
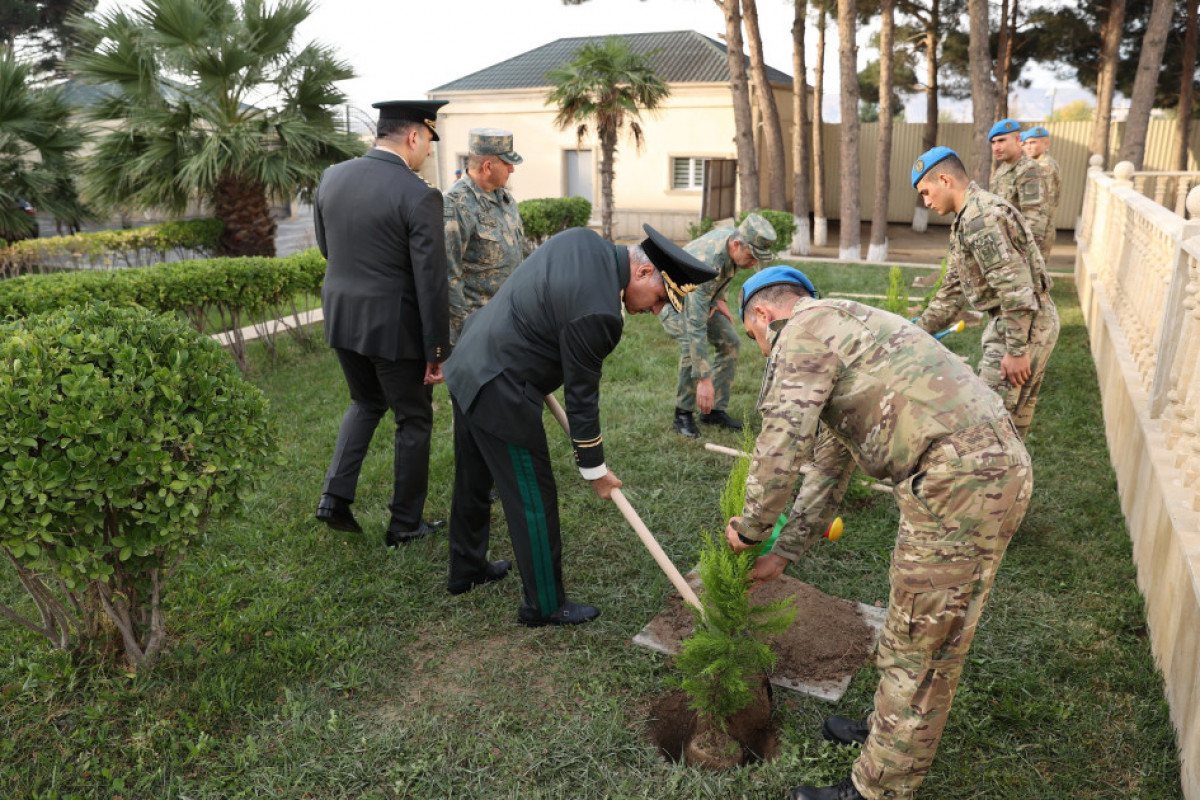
x,y
551,324
386,307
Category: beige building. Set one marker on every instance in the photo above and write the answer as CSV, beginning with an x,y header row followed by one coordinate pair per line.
x,y
662,184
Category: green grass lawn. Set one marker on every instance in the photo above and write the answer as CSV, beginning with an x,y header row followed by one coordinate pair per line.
x,y
310,664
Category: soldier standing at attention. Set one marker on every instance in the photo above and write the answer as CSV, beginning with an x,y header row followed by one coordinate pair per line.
x,y
705,320
993,267
1036,143
379,225
484,237
892,399
1017,179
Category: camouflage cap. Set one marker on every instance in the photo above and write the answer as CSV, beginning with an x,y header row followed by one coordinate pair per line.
x,y
1002,127
493,142
1036,132
759,236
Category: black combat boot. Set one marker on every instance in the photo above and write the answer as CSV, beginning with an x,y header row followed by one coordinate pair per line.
x,y
719,417
685,424
843,730
846,790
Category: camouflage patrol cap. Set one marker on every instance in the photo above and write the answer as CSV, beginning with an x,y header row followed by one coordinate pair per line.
x,y
1002,127
928,160
759,236
493,142
1036,132
772,276
681,271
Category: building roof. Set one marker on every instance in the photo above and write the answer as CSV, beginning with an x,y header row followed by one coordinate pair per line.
x,y
675,56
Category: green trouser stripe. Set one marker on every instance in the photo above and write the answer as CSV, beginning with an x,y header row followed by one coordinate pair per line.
x,y
535,521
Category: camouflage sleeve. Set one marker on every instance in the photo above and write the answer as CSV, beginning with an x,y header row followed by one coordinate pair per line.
x,y
821,490
695,325
1032,196
801,376
948,301
1008,273
458,235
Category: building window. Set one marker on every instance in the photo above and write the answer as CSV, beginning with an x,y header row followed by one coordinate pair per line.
x,y
687,173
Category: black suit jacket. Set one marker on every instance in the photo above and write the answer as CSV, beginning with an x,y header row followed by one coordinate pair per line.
x,y
380,227
551,324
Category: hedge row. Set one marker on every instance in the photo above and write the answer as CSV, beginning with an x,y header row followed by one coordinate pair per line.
x,y
134,247
545,216
215,295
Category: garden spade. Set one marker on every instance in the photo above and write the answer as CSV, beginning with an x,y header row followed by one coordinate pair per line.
x,y
639,527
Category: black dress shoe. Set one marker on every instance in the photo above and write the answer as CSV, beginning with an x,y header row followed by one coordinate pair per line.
x,y
685,424
846,790
394,537
843,730
719,417
568,614
335,512
493,572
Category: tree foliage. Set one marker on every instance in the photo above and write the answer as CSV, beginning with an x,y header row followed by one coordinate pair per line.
x,y
39,31
211,100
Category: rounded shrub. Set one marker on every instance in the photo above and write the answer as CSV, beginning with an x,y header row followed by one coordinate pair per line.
x,y
121,433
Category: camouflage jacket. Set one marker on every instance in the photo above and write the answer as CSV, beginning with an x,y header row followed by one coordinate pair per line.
x,y
992,266
712,249
485,242
1053,182
849,383
1023,185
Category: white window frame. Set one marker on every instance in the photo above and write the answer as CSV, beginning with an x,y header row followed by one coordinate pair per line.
x,y
695,173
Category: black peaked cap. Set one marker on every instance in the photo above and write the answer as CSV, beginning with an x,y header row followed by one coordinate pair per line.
x,y
423,111
682,272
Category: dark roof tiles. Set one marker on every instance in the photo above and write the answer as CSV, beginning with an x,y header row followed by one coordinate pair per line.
x,y
676,56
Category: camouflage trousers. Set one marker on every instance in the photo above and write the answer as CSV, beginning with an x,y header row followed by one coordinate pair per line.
x,y
957,515
1043,333
724,340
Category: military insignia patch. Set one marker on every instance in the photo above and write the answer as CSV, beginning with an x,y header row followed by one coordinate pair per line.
x,y
987,250
919,166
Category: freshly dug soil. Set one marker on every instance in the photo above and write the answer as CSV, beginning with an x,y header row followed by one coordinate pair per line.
x,y
672,725
828,640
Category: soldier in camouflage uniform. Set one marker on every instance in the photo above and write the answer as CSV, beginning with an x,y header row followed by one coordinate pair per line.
x,y
1018,181
993,267
846,383
705,320
485,240
1035,142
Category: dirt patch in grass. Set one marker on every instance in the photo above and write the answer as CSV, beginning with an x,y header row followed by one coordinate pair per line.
x,y
828,640
672,725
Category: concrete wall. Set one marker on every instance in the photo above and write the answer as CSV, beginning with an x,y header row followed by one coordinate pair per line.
x,y
1138,276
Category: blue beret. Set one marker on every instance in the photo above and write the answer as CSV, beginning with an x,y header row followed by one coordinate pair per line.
x,y
1035,132
928,160
772,276
1002,127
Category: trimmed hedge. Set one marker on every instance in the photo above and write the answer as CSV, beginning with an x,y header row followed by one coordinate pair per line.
x,y
121,432
134,247
545,216
231,292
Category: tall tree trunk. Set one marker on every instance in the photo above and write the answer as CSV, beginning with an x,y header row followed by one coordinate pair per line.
x,y
801,158
772,127
929,140
1110,44
1004,50
1149,63
743,122
983,91
851,214
241,203
608,154
820,221
878,249
1187,85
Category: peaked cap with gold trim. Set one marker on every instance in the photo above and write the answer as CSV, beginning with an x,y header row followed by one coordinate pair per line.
x,y
682,272
423,111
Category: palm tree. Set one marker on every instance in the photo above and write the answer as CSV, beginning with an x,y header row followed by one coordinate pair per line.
x,y
605,86
214,101
37,142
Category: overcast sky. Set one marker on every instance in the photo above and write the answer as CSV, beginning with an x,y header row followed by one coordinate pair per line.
x,y
400,49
